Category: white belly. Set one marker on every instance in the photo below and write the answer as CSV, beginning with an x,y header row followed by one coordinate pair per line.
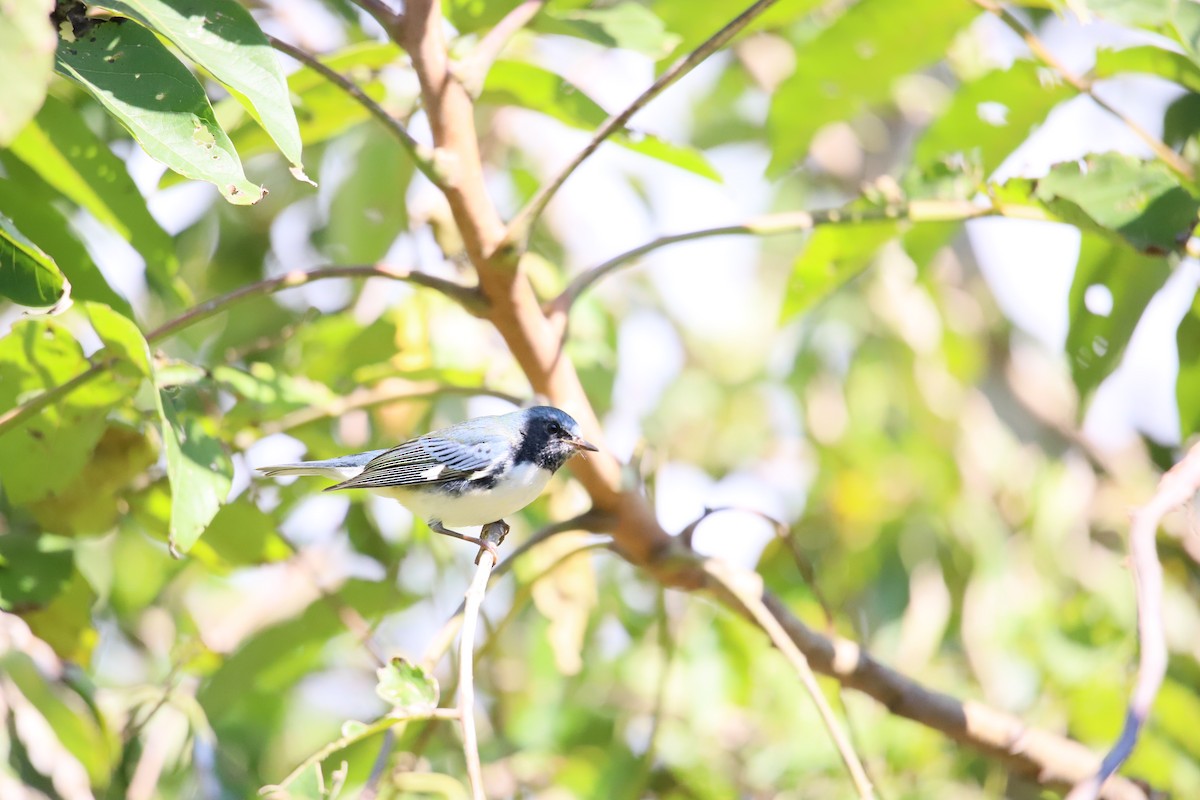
x,y
517,489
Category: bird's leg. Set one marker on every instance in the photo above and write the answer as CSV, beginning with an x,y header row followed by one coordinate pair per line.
x,y
438,527
504,529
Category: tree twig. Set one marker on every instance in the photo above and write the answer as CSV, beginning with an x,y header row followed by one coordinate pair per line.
x,y
746,588
472,70
278,791
591,520
420,154
1083,85
388,19
637,535
466,295
493,533
773,225
518,229
1176,488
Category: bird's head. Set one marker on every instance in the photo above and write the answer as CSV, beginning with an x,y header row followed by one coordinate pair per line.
x,y
549,437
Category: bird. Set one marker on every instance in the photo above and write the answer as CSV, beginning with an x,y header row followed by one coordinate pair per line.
x,y
474,473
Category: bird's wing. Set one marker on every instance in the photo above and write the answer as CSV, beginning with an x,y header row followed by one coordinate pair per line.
x,y
453,454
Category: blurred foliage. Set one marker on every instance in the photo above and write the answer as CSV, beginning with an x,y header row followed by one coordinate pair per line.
x,y
925,454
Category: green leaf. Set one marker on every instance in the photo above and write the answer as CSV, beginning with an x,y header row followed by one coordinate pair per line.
x,y
407,686
851,65
33,569
368,209
122,340
323,110
1140,202
242,534
1095,342
696,22
199,471
65,623
1151,61
80,733
1187,384
222,37
519,84
62,149
627,25
27,41
42,455
156,98
40,212
992,115
28,276
833,255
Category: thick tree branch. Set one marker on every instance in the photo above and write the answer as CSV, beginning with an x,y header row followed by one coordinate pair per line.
x,y
637,534
518,230
1083,85
1176,488
419,153
467,296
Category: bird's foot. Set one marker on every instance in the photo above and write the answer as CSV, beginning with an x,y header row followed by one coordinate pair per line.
x,y
484,543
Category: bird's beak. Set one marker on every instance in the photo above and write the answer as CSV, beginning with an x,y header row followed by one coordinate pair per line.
x,y
582,444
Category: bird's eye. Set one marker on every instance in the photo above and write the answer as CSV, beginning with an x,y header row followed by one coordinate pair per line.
x,y
555,429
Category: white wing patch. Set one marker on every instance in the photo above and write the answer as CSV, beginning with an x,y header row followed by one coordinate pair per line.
x,y
432,473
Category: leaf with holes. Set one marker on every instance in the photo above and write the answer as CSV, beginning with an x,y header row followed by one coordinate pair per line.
x,y
28,276
222,37
60,147
1136,202
992,115
408,687
162,105
1111,288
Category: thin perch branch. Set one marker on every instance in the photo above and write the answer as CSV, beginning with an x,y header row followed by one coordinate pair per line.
x,y
465,295
421,155
492,532
518,229
746,588
1176,488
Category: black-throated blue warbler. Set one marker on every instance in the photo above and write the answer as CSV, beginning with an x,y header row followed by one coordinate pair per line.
x,y
473,473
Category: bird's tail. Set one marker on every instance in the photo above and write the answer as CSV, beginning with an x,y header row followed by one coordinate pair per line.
x,y
341,469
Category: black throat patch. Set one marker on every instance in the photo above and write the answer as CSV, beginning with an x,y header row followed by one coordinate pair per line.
x,y
538,446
